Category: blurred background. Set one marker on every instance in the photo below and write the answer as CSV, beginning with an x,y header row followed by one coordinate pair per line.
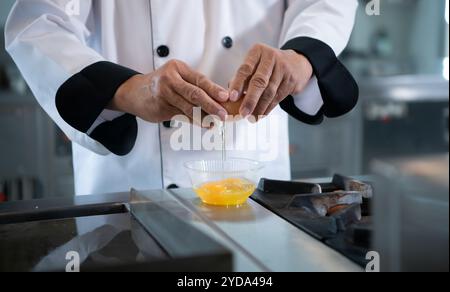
x,y
400,59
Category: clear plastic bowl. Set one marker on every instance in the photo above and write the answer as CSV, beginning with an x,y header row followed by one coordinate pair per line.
x,y
224,183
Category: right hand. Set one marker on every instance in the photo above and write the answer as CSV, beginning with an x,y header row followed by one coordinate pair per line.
x,y
174,89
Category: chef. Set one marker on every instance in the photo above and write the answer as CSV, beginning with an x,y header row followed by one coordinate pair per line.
x,y
111,73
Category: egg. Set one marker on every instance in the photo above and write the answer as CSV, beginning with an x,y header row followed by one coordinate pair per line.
x,y
233,107
226,192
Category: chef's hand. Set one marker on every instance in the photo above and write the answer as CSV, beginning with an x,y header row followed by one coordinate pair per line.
x,y
174,89
267,77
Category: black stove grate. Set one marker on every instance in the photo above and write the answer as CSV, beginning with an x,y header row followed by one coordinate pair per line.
x,y
344,231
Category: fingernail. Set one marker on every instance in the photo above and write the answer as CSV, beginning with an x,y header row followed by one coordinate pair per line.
x,y
222,115
224,95
245,112
234,96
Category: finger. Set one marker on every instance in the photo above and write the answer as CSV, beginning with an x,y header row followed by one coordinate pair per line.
x,y
190,120
197,122
198,97
201,122
170,112
258,84
283,92
187,109
270,93
244,73
199,80
184,107
271,107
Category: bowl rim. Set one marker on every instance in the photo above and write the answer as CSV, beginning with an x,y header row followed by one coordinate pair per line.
x,y
257,165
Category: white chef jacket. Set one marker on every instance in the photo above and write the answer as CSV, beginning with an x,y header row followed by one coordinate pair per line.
x,y
69,53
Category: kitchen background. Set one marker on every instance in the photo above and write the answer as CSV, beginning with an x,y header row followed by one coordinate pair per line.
x,y
400,59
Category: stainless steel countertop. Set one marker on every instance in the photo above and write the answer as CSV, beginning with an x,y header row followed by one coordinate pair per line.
x,y
259,239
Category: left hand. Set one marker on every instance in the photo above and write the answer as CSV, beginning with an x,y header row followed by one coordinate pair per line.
x,y
267,77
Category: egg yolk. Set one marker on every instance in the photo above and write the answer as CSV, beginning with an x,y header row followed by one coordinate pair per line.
x,y
227,192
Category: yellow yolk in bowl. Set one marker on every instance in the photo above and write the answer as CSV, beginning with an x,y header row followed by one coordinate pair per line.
x,y
227,192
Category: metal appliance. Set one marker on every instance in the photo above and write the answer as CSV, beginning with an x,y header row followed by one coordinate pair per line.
x,y
404,116
412,205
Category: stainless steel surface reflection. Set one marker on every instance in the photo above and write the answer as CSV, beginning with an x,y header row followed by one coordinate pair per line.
x,y
259,239
101,241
